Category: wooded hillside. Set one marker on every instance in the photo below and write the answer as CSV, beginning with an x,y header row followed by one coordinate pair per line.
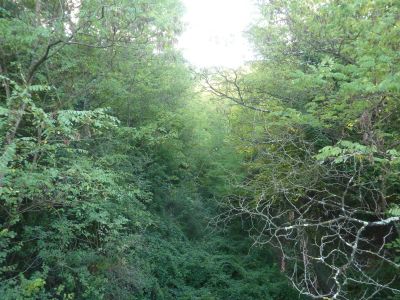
x,y
127,174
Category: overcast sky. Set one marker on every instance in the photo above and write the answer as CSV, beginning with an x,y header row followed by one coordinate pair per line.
x,y
214,32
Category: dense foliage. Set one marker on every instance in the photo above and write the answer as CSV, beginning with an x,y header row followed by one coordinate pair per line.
x,y
124,176
319,128
111,161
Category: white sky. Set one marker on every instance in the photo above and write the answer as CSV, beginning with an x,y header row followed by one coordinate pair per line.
x,y
214,32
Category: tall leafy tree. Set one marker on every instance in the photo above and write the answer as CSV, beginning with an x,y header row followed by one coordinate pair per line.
x,y
318,124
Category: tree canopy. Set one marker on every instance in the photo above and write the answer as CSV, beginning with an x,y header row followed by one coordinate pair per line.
x,y
127,174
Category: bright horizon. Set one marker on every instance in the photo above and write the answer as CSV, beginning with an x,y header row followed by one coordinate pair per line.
x,y
213,35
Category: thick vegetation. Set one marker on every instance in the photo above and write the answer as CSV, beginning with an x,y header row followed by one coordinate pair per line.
x,y
320,132
111,162
124,175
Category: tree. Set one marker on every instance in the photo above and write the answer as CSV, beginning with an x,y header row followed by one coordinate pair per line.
x,y
319,127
